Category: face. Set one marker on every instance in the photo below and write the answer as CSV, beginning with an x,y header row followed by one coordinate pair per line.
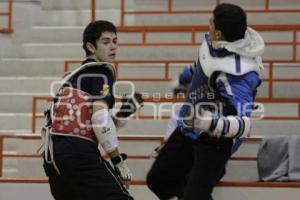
x,y
214,34
106,48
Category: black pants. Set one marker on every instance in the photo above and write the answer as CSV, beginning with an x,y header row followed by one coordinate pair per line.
x,y
189,169
83,178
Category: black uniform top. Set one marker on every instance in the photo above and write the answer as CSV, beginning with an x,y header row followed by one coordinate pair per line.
x,y
97,81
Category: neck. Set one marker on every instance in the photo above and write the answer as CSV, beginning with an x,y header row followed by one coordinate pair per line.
x,y
93,57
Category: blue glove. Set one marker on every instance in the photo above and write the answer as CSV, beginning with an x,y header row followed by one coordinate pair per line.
x,y
186,75
184,80
236,144
188,132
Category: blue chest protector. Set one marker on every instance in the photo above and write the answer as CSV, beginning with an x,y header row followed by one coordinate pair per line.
x,y
236,92
199,92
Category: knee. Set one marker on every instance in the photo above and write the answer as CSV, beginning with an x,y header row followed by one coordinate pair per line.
x,y
155,183
158,186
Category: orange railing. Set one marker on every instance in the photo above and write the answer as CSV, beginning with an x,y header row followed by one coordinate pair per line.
x,y
9,28
135,181
192,31
169,4
148,138
265,8
93,10
36,115
143,182
166,76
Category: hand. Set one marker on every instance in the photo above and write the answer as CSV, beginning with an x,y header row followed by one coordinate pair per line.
x,y
122,169
130,104
157,150
187,130
184,80
180,89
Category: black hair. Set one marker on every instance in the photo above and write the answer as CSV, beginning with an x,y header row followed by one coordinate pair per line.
x,y
93,32
231,20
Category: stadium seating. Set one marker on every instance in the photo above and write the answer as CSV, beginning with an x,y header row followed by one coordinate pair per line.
x,y
157,38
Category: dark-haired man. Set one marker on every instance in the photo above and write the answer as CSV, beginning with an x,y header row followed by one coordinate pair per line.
x,y
216,112
80,119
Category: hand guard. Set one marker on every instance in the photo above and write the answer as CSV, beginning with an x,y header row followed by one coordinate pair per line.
x,y
186,75
130,105
184,80
232,127
105,130
156,151
121,167
180,89
228,127
188,131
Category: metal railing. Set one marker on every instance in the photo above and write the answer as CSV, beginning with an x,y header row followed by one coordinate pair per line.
x,y
170,8
8,14
144,32
36,115
134,138
134,181
93,10
167,65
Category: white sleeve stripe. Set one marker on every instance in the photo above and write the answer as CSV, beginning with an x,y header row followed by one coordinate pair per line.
x,y
222,77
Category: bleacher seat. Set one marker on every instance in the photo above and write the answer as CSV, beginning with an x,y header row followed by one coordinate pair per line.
x,y
47,33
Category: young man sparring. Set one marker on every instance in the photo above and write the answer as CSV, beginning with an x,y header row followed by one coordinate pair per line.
x,y
217,109
80,119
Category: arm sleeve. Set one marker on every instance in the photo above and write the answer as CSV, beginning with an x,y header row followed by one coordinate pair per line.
x,y
237,92
224,93
186,75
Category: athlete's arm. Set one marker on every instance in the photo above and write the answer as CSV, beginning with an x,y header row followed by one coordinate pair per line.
x,y
106,134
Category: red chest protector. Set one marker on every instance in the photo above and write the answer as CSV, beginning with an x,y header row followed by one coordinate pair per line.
x,y
72,114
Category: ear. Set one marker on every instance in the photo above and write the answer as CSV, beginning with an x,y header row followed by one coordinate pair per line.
x,y
219,35
91,47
